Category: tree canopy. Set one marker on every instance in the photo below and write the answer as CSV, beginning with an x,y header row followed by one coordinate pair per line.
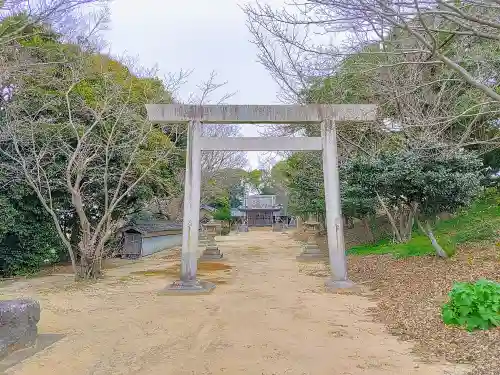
x,y
75,136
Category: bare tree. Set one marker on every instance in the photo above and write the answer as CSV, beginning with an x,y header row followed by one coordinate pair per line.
x,y
213,161
217,165
429,65
75,21
90,144
420,27
74,18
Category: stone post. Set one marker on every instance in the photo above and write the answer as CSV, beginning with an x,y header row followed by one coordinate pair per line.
x,y
278,226
299,224
203,240
212,251
311,251
334,221
188,283
18,325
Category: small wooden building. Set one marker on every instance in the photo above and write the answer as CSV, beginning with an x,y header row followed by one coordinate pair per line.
x,y
260,210
143,238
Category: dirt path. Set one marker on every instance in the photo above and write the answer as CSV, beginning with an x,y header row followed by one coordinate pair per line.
x,y
265,317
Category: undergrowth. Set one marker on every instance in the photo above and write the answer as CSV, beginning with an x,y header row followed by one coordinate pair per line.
x,y
473,305
480,222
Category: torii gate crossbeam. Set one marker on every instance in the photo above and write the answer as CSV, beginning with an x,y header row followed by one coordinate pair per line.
x,y
325,115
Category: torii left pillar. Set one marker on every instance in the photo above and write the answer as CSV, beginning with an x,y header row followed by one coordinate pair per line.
x,y
188,283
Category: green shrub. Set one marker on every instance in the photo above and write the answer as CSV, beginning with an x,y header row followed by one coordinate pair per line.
x,y
28,239
473,305
225,231
222,214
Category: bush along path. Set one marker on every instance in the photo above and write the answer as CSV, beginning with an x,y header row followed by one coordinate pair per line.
x,y
480,222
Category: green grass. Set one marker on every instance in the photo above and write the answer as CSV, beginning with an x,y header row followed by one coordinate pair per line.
x,y
479,222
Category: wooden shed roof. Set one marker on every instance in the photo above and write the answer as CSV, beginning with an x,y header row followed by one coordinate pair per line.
x,y
151,226
207,207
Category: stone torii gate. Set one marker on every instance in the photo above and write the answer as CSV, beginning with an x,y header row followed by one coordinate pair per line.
x,y
194,115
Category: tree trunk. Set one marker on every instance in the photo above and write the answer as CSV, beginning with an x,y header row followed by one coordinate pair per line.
x,y
90,264
406,219
75,235
402,222
90,269
161,212
439,250
409,226
428,232
391,219
350,222
368,229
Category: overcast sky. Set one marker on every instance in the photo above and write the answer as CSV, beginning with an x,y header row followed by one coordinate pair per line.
x,y
199,35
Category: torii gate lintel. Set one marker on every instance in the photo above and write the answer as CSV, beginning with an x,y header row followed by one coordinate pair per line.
x,y
195,115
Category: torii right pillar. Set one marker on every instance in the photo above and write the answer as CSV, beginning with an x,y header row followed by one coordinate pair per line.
x,y
334,223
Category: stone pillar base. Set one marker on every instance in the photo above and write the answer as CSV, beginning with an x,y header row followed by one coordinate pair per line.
x,y
305,257
334,285
188,288
203,242
211,253
311,252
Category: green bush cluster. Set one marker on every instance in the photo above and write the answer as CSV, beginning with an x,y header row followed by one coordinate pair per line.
x,y
473,305
28,240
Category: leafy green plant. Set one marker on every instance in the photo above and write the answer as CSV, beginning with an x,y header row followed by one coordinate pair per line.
x,y
473,305
222,214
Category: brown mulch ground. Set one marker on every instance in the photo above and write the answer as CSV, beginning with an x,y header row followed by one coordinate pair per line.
x,y
411,291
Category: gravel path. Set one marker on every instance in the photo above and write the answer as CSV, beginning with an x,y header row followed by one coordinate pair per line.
x,y
264,317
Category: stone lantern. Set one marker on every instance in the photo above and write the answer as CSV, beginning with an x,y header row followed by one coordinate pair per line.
x,y
311,250
203,238
212,251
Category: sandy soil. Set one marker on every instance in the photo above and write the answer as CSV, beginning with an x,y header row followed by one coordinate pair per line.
x,y
265,317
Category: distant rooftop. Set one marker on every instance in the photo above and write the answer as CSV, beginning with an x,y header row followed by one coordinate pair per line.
x,y
207,207
151,226
236,212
